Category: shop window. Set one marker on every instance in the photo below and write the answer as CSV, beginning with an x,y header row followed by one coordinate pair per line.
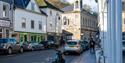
x,y
7,33
0,30
25,38
31,38
32,24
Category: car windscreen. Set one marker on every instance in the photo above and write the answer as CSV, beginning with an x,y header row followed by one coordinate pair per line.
x,y
3,40
72,43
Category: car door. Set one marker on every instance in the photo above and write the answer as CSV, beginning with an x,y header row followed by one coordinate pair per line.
x,y
16,45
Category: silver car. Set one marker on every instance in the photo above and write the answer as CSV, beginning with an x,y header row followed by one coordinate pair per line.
x,y
10,45
73,46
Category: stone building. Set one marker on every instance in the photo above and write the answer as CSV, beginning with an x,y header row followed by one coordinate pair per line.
x,y
79,23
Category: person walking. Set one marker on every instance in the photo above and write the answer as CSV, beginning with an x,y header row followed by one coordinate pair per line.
x,y
92,46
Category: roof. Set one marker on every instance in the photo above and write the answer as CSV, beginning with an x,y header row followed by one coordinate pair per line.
x,y
21,3
68,8
46,4
8,1
43,13
66,32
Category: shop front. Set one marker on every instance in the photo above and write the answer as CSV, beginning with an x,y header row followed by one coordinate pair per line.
x,y
5,28
27,36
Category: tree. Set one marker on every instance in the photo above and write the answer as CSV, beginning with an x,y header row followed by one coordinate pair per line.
x,y
87,7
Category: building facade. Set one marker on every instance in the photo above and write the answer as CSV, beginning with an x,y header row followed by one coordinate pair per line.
x,y
29,22
80,23
53,19
6,18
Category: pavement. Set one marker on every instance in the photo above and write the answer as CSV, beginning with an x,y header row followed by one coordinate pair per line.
x,y
44,56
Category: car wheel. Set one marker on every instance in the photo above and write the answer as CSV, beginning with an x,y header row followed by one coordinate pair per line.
x,y
9,51
21,50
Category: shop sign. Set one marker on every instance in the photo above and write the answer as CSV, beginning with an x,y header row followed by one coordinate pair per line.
x,y
4,23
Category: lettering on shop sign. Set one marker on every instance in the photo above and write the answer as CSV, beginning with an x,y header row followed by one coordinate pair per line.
x,y
4,23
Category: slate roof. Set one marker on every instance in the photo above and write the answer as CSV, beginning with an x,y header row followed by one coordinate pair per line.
x,y
68,8
8,1
46,4
21,3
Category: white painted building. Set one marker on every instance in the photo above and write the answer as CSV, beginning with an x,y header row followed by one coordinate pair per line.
x,y
53,19
29,22
6,21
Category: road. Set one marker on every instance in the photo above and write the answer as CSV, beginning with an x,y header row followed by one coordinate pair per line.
x,y
43,56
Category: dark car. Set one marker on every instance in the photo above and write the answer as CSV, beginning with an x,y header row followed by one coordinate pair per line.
x,y
49,44
10,45
85,45
35,45
25,46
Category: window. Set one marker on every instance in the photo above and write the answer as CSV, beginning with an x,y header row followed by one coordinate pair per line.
x,y
32,24
50,12
64,20
0,30
40,25
7,33
77,6
50,25
32,6
23,22
23,25
4,10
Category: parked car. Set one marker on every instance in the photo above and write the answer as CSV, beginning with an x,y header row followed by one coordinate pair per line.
x,y
35,46
73,46
85,45
26,46
10,45
49,44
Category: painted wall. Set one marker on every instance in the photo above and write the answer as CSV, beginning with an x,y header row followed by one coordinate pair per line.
x,y
20,13
53,23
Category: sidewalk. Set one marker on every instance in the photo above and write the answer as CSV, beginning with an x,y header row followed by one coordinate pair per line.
x,y
86,57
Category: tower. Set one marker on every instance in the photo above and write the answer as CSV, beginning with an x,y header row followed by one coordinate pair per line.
x,y
77,5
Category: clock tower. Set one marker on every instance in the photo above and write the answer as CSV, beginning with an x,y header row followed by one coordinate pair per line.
x,y
77,5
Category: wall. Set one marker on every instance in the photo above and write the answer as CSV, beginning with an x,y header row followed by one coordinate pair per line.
x,y
20,13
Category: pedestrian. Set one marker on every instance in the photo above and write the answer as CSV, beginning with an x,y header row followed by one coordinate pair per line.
x,y
92,45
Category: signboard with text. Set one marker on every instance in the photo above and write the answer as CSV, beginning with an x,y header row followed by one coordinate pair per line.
x,y
4,23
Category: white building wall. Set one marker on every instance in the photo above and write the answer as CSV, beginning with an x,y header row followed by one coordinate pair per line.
x,y
20,13
53,19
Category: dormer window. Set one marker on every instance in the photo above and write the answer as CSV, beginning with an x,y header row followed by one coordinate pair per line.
x,y
32,6
77,5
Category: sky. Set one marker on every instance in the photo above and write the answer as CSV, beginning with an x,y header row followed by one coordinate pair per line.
x,y
92,3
